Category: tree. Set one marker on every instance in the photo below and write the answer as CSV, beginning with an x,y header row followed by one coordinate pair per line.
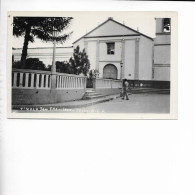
x,y
79,63
31,63
93,74
41,28
62,67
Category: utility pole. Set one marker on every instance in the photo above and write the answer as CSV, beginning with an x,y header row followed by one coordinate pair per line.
x,y
53,68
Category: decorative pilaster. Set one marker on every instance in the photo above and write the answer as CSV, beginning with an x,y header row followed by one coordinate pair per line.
x,y
122,63
153,61
123,58
97,54
136,73
86,46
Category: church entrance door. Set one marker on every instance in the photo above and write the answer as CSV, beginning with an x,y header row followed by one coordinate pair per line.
x,y
110,72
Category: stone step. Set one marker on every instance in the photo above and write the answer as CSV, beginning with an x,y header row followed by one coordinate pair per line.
x,y
93,97
90,90
91,93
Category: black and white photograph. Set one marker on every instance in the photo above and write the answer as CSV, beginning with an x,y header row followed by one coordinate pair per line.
x,y
99,64
97,98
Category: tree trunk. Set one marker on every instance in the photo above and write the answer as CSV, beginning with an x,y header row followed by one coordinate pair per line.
x,y
25,47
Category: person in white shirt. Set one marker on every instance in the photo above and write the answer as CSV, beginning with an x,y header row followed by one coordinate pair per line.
x,y
125,88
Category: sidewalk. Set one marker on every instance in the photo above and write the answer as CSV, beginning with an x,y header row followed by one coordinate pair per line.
x,y
85,103
71,104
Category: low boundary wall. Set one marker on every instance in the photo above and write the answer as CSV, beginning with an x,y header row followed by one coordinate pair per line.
x,y
44,96
150,84
108,86
33,87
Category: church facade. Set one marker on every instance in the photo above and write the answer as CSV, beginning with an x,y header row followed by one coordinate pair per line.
x,y
117,52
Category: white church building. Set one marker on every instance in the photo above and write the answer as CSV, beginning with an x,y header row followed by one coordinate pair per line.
x,y
118,51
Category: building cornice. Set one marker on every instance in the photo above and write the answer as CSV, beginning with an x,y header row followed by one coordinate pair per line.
x,y
164,44
164,33
162,65
106,36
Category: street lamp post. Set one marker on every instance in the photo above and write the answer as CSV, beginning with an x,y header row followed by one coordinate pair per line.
x,y
53,68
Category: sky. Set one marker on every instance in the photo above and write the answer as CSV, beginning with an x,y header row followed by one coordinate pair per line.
x,y
84,22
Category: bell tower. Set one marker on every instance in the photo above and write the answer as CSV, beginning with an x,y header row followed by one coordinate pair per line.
x,y
163,25
162,50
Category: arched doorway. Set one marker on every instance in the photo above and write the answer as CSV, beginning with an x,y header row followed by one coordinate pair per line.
x,y
110,72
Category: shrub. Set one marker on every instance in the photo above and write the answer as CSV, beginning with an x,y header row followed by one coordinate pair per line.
x,y
31,63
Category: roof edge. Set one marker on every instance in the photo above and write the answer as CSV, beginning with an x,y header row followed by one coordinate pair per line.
x,y
92,30
110,18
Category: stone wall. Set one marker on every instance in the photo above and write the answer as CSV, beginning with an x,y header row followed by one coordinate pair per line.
x,y
45,96
33,87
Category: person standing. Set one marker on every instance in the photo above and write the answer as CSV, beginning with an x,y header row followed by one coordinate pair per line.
x,y
125,88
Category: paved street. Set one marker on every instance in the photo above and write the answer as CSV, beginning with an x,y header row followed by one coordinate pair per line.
x,y
137,103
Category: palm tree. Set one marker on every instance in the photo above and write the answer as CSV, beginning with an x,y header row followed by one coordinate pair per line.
x,y
41,28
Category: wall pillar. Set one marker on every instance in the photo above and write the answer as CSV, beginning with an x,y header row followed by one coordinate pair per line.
x,y
86,46
53,81
136,73
153,61
123,59
97,54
